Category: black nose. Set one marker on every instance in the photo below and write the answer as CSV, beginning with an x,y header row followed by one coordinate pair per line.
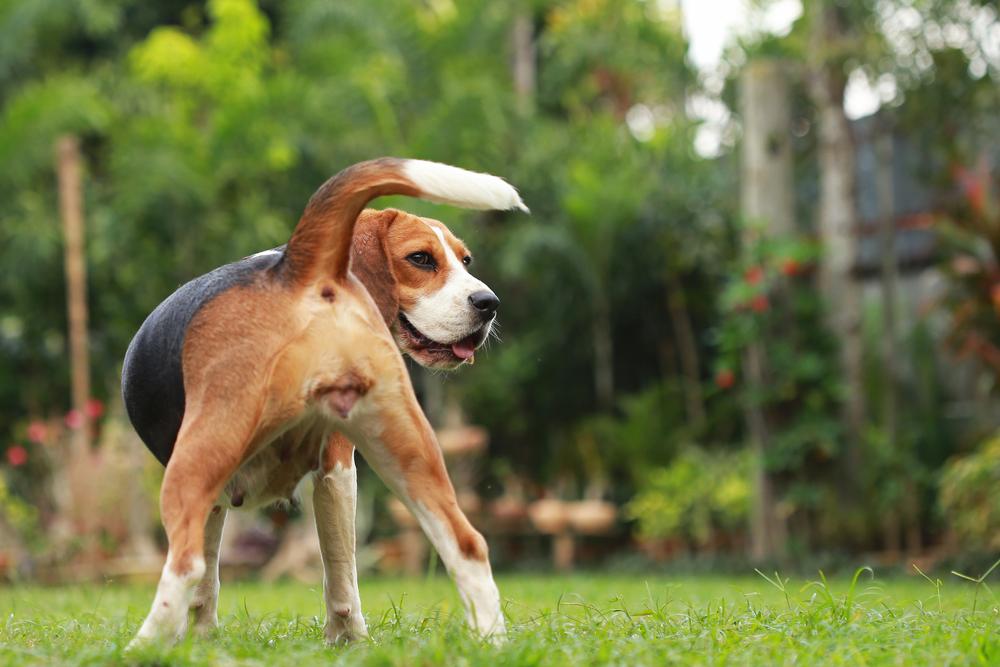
x,y
485,301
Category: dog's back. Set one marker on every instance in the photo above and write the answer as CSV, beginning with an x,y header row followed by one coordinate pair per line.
x,y
152,376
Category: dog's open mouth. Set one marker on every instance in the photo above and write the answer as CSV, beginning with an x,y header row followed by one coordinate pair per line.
x,y
459,351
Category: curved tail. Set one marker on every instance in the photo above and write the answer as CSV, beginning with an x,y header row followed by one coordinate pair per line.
x,y
321,242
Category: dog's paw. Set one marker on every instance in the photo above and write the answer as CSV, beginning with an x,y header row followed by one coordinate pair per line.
x,y
206,616
205,626
344,626
145,639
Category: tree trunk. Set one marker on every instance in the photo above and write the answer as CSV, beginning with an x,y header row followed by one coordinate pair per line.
x,y
889,278
604,368
892,523
768,532
77,465
687,351
837,222
767,195
432,398
766,198
71,212
524,61
891,526
914,528
140,542
298,555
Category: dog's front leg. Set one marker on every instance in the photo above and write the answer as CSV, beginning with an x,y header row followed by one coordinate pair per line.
x,y
206,596
400,445
335,502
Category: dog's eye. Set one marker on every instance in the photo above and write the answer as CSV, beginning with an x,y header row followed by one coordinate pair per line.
x,y
467,260
422,260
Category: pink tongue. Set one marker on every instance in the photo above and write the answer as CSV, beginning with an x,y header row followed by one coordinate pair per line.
x,y
464,348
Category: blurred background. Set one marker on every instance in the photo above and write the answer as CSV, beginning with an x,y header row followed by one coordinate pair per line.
x,y
752,319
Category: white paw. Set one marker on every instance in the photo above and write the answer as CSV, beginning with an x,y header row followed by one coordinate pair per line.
x,y
162,626
345,625
167,620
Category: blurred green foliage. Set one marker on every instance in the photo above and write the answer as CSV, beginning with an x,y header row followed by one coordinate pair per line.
x,y
207,125
970,496
697,497
771,301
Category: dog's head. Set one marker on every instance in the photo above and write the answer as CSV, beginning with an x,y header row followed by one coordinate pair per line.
x,y
417,272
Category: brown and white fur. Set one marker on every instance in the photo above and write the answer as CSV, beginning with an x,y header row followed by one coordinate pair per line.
x,y
282,373
384,241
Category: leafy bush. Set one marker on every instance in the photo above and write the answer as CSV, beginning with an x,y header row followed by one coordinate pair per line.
x,y
773,303
15,512
19,531
699,494
646,432
970,496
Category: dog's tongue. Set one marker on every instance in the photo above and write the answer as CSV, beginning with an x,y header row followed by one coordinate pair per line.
x,y
464,348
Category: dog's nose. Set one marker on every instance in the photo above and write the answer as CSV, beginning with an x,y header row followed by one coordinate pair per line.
x,y
485,301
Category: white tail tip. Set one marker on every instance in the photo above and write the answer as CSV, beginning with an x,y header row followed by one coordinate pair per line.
x,y
459,187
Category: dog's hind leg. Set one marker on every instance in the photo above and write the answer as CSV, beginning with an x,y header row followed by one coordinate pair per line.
x,y
206,596
335,501
192,483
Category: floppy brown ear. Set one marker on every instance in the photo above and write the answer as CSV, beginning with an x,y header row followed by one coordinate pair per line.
x,y
370,260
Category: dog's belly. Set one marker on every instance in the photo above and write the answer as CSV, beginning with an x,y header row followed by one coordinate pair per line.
x,y
152,375
274,471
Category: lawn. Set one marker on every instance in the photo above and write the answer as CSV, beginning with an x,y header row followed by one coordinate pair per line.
x,y
595,618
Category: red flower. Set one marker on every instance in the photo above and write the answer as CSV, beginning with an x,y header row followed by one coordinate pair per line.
x,y
38,432
965,265
973,186
976,194
790,267
94,408
754,275
17,455
725,379
759,304
74,419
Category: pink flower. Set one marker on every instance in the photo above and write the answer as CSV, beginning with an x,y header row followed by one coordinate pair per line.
x,y
74,419
94,408
38,432
17,455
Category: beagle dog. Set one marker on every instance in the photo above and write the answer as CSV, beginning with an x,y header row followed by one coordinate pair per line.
x,y
252,376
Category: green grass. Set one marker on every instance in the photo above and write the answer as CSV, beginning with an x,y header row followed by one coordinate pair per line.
x,y
577,620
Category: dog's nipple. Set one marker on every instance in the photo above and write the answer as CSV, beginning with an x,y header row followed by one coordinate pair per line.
x,y
342,394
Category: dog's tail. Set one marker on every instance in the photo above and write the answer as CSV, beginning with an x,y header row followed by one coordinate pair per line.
x,y
321,242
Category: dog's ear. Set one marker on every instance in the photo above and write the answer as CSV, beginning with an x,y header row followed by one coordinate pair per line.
x,y
370,260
